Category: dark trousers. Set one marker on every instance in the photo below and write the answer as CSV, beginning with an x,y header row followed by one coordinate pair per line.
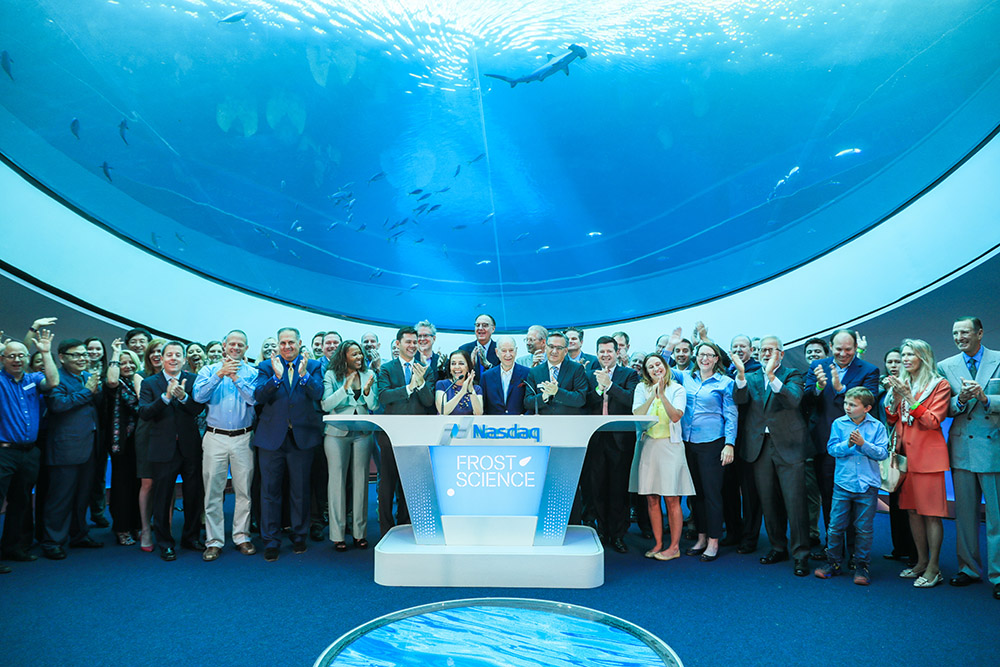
x,y
274,465
704,460
899,525
18,472
782,491
752,511
606,482
825,467
192,487
732,509
98,492
66,503
388,487
125,492
640,507
318,482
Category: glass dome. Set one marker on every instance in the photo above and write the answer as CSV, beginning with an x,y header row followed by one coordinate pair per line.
x,y
541,161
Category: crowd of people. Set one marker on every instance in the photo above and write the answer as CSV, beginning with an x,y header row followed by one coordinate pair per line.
x,y
743,437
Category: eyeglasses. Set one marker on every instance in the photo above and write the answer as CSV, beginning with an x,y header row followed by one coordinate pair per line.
x,y
74,355
557,347
707,355
15,357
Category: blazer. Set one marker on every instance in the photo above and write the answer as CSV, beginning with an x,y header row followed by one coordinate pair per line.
x,y
436,370
828,405
624,380
494,402
974,436
779,413
584,360
173,425
569,400
72,420
337,400
491,356
392,394
922,441
284,407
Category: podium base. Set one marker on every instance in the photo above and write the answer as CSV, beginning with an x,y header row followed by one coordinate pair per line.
x,y
578,563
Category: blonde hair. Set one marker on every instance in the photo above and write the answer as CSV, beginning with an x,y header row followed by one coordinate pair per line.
x,y
927,373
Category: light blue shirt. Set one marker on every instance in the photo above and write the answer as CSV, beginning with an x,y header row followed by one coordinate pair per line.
x,y
230,403
711,412
857,467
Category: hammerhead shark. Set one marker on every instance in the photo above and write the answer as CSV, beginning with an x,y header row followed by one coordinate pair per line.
x,y
548,69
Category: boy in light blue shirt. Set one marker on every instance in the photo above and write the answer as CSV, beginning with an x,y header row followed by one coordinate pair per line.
x,y
858,442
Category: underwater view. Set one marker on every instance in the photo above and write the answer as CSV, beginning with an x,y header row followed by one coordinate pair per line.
x,y
545,162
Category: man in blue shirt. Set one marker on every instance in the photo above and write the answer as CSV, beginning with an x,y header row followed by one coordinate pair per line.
x,y
20,413
227,388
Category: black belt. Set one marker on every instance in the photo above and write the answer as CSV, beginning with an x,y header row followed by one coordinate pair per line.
x,y
14,445
222,431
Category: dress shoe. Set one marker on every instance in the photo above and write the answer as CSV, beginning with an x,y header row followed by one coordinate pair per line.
x,y
818,554
705,558
54,553
86,543
5,570
618,544
193,545
360,544
924,582
299,547
667,555
801,567
695,552
773,557
271,554
246,548
746,548
316,532
168,553
100,521
910,573
960,579
996,591
19,556
211,553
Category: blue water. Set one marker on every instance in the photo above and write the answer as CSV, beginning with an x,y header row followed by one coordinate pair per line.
x,y
699,148
491,636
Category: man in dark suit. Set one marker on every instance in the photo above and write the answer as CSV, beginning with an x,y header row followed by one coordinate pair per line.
x,y
503,385
740,503
606,468
559,386
287,390
776,444
402,390
174,448
483,350
70,452
826,383
574,347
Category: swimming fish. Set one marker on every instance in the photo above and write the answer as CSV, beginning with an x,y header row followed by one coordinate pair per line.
x,y
5,62
293,254
156,240
487,219
444,189
375,274
362,227
332,225
483,262
434,208
294,223
235,17
273,244
460,227
458,169
414,285
420,240
553,65
521,236
478,157
848,151
180,238
544,247
377,177
339,195
593,234
421,208
106,168
74,127
122,126
423,197
416,192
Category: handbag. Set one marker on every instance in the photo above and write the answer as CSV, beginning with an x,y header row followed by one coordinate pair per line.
x,y
893,468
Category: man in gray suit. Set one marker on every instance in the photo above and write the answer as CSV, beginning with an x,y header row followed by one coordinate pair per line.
x,y
974,445
776,443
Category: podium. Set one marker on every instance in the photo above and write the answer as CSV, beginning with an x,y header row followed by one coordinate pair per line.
x,y
489,499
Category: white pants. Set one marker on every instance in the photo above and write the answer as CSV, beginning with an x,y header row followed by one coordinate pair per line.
x,y
219,454
353,450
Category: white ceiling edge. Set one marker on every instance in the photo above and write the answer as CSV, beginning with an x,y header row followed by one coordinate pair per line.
x,y
921,247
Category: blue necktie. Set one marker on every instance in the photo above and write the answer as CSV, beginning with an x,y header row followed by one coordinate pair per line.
x,y
971,363
407,374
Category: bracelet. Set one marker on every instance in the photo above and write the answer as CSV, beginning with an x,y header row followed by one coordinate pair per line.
x,y
32,329
114,363
914,406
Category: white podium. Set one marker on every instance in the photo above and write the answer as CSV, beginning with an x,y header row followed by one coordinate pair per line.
x,y
489,499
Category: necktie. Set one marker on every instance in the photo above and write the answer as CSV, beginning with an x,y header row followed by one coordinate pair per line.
x,y
554,373
505,378
605,409
290,372
407,373
971,363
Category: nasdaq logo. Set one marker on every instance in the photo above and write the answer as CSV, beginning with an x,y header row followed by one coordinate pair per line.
x,y
514,432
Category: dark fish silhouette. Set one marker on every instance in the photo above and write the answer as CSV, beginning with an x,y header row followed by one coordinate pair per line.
x,y
74,127
375,274
478,157
460,227
421,208
106,168
445,189
548,69
235,17
458,169
338,196
122,126
5,61
416,192
377,177
434,208
423,197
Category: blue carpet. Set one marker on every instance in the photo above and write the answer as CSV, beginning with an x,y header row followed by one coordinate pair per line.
x,y
120,606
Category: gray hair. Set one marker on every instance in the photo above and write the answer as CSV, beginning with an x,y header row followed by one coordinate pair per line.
x,y
781,347
506,339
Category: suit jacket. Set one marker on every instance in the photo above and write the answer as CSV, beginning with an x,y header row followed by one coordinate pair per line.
x,y
624,380
828,405
491,357
974,437
338,400
495,403
569,400
436,370
392,392
173,425
72,420
584,359
778,412
283,406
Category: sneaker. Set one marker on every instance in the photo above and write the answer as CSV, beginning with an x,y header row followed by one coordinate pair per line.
x,y
861,576
827,571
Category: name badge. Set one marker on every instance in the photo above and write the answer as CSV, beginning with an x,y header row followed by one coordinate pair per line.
x,y
29,387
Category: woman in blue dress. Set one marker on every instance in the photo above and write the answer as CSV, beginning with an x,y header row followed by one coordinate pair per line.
x,y
459,395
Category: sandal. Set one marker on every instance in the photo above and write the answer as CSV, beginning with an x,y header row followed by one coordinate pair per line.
x,y
340,546
125,539
910,573
361,544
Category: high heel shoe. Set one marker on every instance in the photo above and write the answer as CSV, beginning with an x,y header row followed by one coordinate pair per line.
x,y
146,540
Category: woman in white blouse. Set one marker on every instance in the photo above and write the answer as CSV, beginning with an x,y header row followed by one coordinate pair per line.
x,y
348,388
659,467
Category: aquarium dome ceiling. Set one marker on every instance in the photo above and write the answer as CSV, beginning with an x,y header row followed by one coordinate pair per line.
x,y
543,161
